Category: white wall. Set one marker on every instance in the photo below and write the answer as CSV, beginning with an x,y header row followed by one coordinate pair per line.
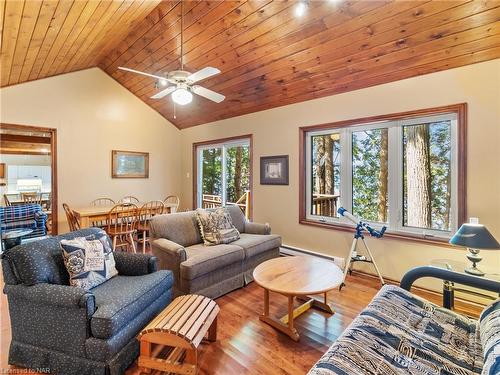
x,y
276,132
93,115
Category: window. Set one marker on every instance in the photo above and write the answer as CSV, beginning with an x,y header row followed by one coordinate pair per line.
x,y
399,171
223,173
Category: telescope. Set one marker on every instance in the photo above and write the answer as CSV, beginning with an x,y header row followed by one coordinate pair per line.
x,y
361,224
358,235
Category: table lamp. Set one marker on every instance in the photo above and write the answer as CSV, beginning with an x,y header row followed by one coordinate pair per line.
x,y
474,236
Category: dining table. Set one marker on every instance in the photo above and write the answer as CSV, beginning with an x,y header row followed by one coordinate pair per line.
x,y
86,215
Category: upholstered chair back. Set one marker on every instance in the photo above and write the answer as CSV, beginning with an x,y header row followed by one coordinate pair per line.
x,y
39,261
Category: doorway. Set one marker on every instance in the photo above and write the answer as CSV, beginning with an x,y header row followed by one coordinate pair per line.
x,y
223,173
28,169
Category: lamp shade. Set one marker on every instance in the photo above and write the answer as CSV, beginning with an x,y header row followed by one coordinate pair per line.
x,y
474,236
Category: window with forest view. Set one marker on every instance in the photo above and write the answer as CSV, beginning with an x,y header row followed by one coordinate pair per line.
x,y
223,174
400,173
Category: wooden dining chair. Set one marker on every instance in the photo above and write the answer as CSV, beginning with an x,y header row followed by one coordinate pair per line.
x,y
129,199
121,225
6,200
147,211
102,202
34,198
173,202
73,222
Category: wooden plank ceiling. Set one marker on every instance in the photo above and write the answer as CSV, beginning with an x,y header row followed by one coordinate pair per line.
x,y
268,56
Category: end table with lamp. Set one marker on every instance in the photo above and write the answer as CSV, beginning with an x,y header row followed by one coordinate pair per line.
x,y
474,237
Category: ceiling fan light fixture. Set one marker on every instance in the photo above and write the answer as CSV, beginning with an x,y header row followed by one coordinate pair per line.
x,y
182,96
300,9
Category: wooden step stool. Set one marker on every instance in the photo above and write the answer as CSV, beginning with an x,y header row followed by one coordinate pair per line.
x,y
181,326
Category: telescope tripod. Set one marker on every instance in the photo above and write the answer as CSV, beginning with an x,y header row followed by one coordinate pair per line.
x,y
355,257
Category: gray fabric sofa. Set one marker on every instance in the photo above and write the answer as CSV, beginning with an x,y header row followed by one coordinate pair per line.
x,y
67,330
210,270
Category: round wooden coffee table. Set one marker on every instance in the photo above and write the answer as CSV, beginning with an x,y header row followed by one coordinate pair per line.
x,y
296,277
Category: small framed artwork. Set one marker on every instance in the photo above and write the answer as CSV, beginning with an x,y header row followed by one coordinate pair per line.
x,y
274,170
129,164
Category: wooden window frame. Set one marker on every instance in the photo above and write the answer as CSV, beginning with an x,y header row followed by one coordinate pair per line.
x,y
461,112
53,156
215,141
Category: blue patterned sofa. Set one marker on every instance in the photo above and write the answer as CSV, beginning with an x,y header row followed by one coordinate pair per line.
x,y
24,216
72,331
400,333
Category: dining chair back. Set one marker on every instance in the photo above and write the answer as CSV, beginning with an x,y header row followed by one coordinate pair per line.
x,y
6,200
73,222
102,202
34,198
121,225
173,201
146,212
129,199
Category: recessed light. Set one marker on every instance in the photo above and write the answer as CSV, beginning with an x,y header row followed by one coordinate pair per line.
x,y
300,9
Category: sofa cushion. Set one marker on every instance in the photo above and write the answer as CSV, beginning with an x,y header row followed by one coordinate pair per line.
x,y
490,338
28,223
180,227
255,244
399,333
120,299
41,261
205,259
216,227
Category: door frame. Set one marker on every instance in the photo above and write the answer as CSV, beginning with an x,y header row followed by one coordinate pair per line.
x,y
53,166
215,141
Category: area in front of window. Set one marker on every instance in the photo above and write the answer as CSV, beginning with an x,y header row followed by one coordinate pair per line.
x,y
400,173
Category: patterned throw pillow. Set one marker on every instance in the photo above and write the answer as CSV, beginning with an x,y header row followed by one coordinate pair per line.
x,y
89,260
216,227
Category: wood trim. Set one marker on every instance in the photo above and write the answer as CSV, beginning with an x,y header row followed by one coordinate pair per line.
x,y
25,138
53,156
114,154
215,141
461,111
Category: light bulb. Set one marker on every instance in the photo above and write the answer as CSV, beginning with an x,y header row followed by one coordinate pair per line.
x,y
163,82
300,9
182,96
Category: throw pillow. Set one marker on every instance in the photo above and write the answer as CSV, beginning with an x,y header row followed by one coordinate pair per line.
x,y
216,227
89,260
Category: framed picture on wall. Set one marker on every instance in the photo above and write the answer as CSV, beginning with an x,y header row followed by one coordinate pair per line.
x,y
129,164
274,170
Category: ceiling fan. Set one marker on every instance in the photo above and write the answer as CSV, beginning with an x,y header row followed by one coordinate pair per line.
x,y
183,82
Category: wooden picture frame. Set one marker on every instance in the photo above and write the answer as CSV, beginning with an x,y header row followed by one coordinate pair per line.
x,y
274,170
129,164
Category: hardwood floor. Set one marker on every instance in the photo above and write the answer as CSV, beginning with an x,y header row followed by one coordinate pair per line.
x,y
246,345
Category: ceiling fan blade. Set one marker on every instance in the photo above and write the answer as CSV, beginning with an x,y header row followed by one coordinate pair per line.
x,y
209,94
164,93
203,73
143,73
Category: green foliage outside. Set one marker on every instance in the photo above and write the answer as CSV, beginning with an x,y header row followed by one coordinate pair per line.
x,y
237,172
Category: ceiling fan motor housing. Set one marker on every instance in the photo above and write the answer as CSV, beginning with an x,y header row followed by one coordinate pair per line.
x,y
179,76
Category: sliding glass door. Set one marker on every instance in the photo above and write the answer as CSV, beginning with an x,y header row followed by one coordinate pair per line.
x,y
224,174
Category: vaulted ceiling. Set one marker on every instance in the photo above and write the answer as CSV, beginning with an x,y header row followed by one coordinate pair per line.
x,y
268,55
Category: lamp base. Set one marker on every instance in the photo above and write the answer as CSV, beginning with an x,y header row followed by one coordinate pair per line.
x,y
473,256
474,271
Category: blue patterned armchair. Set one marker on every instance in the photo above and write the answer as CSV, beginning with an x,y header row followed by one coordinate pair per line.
x,y
24,216
68,330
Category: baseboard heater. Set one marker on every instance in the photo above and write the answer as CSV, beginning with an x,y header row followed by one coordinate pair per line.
x,y
287,250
